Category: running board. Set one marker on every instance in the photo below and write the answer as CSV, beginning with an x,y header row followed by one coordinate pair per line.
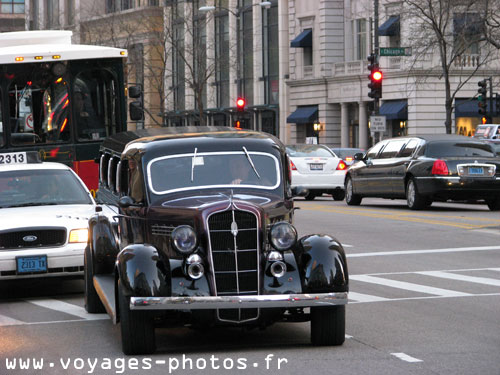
x,y
105,288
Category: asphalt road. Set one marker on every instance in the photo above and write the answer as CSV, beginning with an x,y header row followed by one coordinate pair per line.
x,y
425,299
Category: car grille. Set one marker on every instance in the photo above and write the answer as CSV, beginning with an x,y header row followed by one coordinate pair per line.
x,y
34,238
235,259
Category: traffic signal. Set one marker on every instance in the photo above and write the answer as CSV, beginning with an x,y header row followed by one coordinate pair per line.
x,y
375,77
240,104
481,98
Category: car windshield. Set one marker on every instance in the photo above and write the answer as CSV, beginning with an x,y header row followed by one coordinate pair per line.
x,y
206,170
40,187
305,151
458,149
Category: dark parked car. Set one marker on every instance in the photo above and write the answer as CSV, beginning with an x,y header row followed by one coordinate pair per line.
x,y
424,169
203,236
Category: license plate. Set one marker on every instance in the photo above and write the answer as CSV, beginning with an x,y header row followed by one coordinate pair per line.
x,y
476,170
13,158
31,264
316,167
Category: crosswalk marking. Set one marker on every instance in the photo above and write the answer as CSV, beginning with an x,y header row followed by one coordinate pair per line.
x,y
67,308
454,276
408,286
359,297
6,321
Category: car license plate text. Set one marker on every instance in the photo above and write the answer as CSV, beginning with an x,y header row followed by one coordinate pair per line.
x,y
476,170
13,158
31,264
316,167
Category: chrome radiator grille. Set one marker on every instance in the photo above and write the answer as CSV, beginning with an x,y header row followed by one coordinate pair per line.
x,y
235,258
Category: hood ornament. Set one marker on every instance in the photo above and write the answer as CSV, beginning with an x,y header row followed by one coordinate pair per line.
x,y
234,228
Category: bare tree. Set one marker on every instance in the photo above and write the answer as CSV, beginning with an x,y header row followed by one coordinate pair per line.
x,y
452,30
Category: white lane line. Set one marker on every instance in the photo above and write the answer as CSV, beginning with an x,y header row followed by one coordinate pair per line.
x,y
359,297
408,286
454,276
431,297
6,321
406,357
66,308
347,245
433,251
494,269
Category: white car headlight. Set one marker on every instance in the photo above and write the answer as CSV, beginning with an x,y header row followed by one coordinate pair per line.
x,y
283,236
184,239
79,235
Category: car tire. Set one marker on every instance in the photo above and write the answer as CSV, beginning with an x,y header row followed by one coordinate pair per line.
x,y
338,195
350,198
493,204
310,196
93,303
328,325
137,328
414,199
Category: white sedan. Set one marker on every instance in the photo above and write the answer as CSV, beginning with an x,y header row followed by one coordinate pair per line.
x,y
318,169
44,212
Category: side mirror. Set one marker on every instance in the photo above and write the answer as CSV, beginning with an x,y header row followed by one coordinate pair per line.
x,y
136,111
126,202
359,156
134,92
299,191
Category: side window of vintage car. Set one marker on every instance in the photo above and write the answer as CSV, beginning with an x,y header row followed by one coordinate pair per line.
x,y
103,169
135,181
392,149
372,153
112,164
122,178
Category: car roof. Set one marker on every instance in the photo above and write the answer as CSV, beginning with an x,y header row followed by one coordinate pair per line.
x,y
33,166
438,137
154,138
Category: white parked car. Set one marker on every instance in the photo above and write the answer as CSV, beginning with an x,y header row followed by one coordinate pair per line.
x,y
318,169
44,212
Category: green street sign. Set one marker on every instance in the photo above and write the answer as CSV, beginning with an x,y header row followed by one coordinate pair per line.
x,y
395,51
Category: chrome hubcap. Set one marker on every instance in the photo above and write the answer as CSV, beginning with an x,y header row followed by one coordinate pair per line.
x,y
411,194
349,189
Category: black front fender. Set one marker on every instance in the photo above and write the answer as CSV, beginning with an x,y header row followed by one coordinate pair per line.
x,y
103,244
323,264
142,273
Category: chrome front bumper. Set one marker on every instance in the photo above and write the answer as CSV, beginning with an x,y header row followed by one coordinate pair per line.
x,y
238,302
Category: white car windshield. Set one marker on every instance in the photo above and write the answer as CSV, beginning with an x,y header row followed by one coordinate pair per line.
x,y
40,187
194,171
305,151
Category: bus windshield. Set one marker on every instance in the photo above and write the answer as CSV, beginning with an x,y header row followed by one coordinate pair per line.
x,y
41,105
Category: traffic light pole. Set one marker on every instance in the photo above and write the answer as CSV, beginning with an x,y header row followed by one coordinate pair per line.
x,y
491,100
376,103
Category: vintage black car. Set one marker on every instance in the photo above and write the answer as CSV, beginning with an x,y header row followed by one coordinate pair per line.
x,y
424,169
203,236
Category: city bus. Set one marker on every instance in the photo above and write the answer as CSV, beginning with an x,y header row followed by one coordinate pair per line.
x,y
60,99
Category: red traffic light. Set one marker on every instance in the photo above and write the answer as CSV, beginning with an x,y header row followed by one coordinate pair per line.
x,y
240,104
377,75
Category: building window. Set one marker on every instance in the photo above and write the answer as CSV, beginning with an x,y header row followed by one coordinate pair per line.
x,y
201,72
52,13
12,6
467,33
271,55
360,39
70,12
308,56
246,53
222,59
179,67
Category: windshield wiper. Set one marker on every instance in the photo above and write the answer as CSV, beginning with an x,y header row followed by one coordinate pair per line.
x,y
34,204
251,162
192,163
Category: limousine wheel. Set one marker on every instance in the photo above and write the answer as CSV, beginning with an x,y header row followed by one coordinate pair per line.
x,y
493,204
137,328
351,198
328,325
338,195
93,303
414,199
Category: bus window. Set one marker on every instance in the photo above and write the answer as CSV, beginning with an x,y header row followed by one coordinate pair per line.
x,y
95,104
38,108
1,121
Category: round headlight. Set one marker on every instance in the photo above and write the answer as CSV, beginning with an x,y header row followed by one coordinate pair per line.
x,y
184,239
283,236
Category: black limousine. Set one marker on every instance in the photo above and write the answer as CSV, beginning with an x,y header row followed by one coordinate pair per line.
x,y
424,169
203,235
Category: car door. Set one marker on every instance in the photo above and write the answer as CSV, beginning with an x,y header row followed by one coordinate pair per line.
x,y
365,176
382,177
400,166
